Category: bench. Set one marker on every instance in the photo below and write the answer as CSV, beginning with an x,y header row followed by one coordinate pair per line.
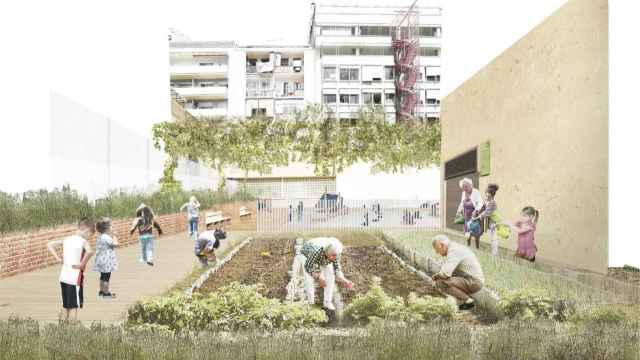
x,y
244,212
215,216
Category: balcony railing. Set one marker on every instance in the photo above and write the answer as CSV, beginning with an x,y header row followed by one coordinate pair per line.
x,y
213,91
253,69
260,93
199,113
294,93
197,69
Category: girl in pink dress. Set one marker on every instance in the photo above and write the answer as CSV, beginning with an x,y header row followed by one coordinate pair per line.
x,y
526,228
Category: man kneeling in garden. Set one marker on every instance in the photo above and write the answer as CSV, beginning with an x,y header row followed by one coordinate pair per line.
x,y
319,253
208,242
461,275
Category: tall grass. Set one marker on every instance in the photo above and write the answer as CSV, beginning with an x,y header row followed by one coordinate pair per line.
x,y
507,340
42,208
504,275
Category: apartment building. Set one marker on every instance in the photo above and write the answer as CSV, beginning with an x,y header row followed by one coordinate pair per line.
x,y
348,64
354,58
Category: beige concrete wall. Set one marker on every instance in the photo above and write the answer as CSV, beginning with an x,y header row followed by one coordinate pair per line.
x,y
543,104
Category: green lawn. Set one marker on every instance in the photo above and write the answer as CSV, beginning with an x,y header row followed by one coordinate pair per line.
x,y
504,275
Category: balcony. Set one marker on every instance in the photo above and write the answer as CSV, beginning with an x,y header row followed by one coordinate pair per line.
x,y
281,70
289,70
203,113
354,41
290,94
208,92
260,93
210,71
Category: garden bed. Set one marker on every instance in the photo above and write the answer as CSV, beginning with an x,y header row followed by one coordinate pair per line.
x,y
267,260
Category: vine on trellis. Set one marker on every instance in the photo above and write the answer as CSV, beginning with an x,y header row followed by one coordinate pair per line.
x,y
312,136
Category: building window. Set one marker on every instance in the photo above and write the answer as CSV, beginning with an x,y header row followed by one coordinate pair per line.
x,y
182,83
338,30
429,51
207,63
329,98
432,118
329,73
432,101
389,99
433,78
430,31
341,51
258,111
349,74
346,51
388,73
375,31
349,99
376,51
372,98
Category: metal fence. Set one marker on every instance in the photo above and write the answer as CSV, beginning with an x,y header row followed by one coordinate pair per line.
x,y
285,215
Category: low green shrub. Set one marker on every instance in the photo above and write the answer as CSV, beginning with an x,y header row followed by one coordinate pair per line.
x,y
375,305
530,304
431,308
233,307
607,315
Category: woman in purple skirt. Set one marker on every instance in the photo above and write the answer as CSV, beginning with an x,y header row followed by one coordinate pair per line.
x,y
470,205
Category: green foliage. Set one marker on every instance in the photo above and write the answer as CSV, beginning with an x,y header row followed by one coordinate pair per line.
x,y
376,305
39,209
431,308
233,307
608,315
259,144
526,304
168,183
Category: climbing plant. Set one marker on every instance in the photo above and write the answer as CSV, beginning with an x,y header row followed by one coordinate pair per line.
x,y
312,135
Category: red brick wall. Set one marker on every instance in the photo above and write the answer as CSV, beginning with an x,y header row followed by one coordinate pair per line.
x,y
24,252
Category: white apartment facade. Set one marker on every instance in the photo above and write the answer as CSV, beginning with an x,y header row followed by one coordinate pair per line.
x,y
354,63
348,64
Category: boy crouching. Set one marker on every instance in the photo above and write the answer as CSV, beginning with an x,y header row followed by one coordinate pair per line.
x,y
208,242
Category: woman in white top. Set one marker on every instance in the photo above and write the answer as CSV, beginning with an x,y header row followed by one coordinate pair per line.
x,y
193,210
470,204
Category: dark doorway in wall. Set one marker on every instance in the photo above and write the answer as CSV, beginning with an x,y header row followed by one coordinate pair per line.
x,y
465,165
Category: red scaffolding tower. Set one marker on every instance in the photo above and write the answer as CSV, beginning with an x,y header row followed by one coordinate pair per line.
x,y
405,42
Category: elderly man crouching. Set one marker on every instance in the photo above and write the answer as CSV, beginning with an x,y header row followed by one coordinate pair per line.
x,y
461,275
319,253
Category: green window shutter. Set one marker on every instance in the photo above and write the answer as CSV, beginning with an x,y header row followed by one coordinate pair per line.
x,y
485,159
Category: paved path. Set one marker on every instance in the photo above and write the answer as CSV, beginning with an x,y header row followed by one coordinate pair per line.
x,y
37,294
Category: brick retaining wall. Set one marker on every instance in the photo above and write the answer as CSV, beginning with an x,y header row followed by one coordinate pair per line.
x,y
25,252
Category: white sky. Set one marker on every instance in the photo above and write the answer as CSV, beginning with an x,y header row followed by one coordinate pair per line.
x,y
113,57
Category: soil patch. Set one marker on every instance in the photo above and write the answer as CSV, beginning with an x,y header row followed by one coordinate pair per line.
x,y
264,260
361,263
